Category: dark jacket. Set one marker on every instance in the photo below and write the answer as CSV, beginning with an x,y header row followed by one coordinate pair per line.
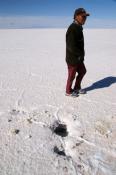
x,y
74,44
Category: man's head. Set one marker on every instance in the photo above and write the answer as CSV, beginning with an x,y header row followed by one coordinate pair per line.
x,y
80,15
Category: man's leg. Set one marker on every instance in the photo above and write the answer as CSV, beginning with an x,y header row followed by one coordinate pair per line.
x,y
71,75
81,70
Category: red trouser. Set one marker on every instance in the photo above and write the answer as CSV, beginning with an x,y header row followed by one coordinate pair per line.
x,y
72,70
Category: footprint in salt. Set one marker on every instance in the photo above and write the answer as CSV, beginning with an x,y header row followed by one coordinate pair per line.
x,y
14,112
15,131
103,127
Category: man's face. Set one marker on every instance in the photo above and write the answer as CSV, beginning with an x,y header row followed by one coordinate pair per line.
x,y
81,18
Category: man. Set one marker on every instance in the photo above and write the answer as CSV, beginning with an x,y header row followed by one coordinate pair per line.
x,y
75,53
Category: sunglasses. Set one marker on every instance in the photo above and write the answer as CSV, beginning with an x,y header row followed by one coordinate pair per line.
x,y
84,16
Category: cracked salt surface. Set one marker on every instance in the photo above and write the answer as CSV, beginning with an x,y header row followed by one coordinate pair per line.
x,y
32,101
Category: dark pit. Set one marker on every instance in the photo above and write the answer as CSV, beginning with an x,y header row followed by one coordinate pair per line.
x,y
59,152
61,130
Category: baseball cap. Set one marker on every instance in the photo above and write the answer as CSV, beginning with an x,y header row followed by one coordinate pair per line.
x,y
80,11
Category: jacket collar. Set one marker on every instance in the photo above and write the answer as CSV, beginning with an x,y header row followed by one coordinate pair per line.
x,y
76,22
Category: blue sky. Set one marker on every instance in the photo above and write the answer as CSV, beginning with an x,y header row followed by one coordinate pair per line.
x,y
55,13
